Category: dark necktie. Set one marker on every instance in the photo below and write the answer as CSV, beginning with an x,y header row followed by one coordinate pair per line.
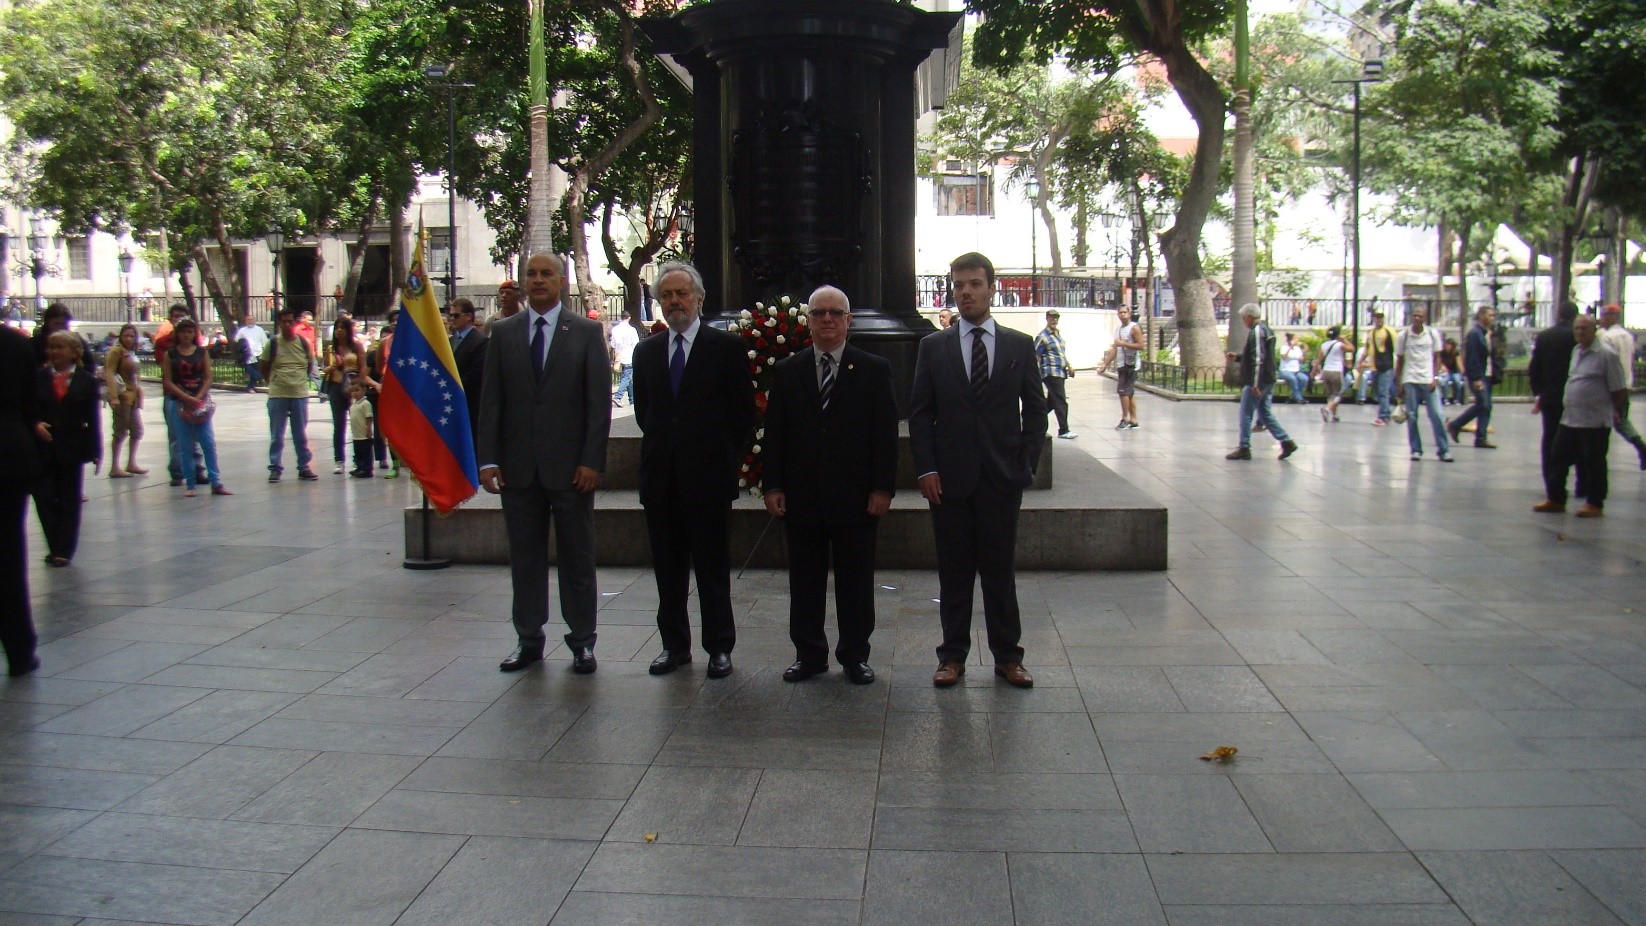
x,y
537,348
980,362
677,363
827,385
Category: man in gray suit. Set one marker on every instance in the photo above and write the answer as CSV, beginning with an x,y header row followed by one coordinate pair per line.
x,y
545,414
977,422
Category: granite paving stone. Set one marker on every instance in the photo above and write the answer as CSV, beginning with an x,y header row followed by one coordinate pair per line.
x,y
1439,700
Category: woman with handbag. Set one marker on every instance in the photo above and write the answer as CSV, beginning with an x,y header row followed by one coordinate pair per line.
x,y
124,392
70,436
348,359
185,377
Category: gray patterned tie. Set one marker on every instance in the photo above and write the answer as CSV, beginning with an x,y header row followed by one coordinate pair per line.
x,y
827,385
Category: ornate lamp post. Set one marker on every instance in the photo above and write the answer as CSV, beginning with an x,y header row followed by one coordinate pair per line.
x,y
125,260
1031,189
39,267
442,72
277,243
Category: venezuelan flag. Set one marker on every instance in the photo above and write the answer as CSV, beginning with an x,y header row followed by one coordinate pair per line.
x,y
422,411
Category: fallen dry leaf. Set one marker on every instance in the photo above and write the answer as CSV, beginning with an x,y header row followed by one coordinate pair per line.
x,y
651,837
1560,536
1220,754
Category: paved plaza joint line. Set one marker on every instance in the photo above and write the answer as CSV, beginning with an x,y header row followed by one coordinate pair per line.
x,y
249,713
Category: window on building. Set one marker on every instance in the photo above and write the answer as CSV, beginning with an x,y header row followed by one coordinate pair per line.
x,y
964,194
79,251
439,255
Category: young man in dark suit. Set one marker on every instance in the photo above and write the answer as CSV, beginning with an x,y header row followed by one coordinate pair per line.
x,y
545,415
977,422
19,465
830,469
469,350
694,403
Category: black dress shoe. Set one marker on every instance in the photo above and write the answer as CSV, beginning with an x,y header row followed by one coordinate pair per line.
x,y
669,661
798,672
520,658
583,662
860,673
720,665
25,667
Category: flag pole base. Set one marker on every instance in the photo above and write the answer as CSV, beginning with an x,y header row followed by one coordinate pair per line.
x,y
425,561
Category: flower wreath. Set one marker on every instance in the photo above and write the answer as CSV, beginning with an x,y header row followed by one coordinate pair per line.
x,y
769,334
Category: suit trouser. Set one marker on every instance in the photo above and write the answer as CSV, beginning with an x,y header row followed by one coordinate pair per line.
x,y
687,540
1551,425
57,503
16,621
1586,449
812,548
977,536
1057,401
526,514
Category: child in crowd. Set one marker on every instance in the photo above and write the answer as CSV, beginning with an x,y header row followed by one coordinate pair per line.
x,y
361,424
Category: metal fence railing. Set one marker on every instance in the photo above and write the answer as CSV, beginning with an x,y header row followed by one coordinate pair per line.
x,y
1170,377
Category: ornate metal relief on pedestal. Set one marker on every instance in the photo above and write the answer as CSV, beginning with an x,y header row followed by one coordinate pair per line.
x,y
798,182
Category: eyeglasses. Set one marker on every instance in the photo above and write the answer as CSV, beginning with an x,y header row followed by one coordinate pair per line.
x,y
827,313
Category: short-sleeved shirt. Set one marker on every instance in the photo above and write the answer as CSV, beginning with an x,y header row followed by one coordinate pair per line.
x,y
360,420
1622,341
624,338
1418,349
289,378
1594,375
188,373
1331,357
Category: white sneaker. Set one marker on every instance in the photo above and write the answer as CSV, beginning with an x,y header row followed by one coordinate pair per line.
x,y
339,470
1067,435
1416,456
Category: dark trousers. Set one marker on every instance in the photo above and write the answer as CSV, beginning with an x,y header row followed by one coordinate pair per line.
x,y
977,536
1480,412
812,549
1584,448
362,455
526,515
338,396
57,503
1057,400
378,444
1551,418
16,621
687,540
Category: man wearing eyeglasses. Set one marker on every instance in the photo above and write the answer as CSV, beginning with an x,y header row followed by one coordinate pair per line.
x,y
830,468
469,350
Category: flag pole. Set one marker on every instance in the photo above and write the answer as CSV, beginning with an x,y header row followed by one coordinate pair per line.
x,y
426,561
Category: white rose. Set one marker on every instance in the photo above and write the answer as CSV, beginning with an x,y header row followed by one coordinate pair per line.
x,y
744,315
755,449
793,312
760,432
771,323
780,339
742,483
751,355
805,321
770,361
785,300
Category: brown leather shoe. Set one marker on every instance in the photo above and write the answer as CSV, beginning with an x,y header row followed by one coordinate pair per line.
x,y
1591,511
1014,674
948,674
1549,507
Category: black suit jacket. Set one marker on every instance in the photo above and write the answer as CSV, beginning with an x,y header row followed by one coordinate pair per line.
x,y
964,437
76,436
471,369
19,408
827,461
1551,363
692,441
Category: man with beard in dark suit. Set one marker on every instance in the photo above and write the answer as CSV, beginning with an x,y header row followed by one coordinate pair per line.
x,y
694,402
976,422
830,468
19,464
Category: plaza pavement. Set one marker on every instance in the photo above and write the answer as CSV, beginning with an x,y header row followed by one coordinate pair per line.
x,y
250,713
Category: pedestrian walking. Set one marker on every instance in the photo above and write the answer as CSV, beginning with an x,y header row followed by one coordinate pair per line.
x,y
1258,370
1416,348
1052,355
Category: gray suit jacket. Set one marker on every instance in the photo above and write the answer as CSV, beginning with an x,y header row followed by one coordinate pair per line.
x,y
543,429
965,438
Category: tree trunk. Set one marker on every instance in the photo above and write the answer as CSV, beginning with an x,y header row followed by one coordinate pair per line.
x,y
1050,221
577,220
1620,256
208,277
187,287
1580,186
399,258
1244,289
1081,249
639,256
1443,262
1196,322
228,312
1464,234
362,240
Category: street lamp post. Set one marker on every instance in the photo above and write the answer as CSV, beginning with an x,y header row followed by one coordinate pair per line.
x,y
1371,72
442,72
277,243
37,256
1031,189
125,260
